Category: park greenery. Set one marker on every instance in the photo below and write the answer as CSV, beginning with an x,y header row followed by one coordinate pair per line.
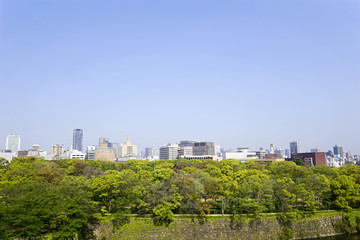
x,y
66,199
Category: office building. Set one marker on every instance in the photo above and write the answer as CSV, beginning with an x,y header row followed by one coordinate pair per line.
x,y
23,153
169,151
272,155
287,153
185,151
90,153
57,150
77,154
6,154
13,143
203,148
104,153
279,151
271,149
338,151
115,146
186,143
151,152
310,159
78,139
295,147
103,140
127,149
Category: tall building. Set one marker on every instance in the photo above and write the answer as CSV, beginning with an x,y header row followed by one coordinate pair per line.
x,y
104,153
295,147
272,148
279,151
78,139
127,149
287,153
13,143
338,150
204,148
103,140
169,151
115,146
57,150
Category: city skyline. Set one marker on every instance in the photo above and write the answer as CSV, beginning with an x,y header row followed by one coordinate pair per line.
x,y
183,142
235,73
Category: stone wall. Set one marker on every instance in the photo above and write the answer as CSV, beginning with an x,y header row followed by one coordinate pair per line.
x,y
183,229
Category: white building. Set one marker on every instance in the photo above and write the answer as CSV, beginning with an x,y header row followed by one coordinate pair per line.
x,y
57,150
185,151
90,154
13,143
151,154
127,149
169,151
77,154
242,153
7,155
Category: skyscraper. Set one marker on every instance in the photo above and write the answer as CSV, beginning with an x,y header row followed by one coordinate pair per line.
x,y
78,139
13,142
103,140
127,149
295,147
338,150
57,150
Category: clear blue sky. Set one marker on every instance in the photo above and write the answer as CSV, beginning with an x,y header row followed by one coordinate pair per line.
x,y
239,73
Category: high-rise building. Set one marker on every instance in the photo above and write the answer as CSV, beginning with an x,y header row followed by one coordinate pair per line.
x,y
338,151
272,148
287,153
57,150
169,151
104,153
13,143
127,149
295,147
279,151
204,148
103,140
115,146
78,139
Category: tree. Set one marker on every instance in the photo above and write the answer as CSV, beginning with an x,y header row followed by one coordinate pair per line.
x,y
31,210
284,194
162,198
298,161
345,192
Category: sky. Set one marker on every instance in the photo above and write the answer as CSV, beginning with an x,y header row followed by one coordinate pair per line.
x,y
238,73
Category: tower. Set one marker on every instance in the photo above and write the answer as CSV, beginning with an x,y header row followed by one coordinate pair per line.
x,y
13,142
338,151
295,147
78,139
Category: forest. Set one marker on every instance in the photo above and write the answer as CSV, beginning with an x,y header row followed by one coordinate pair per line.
x,y
68,198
